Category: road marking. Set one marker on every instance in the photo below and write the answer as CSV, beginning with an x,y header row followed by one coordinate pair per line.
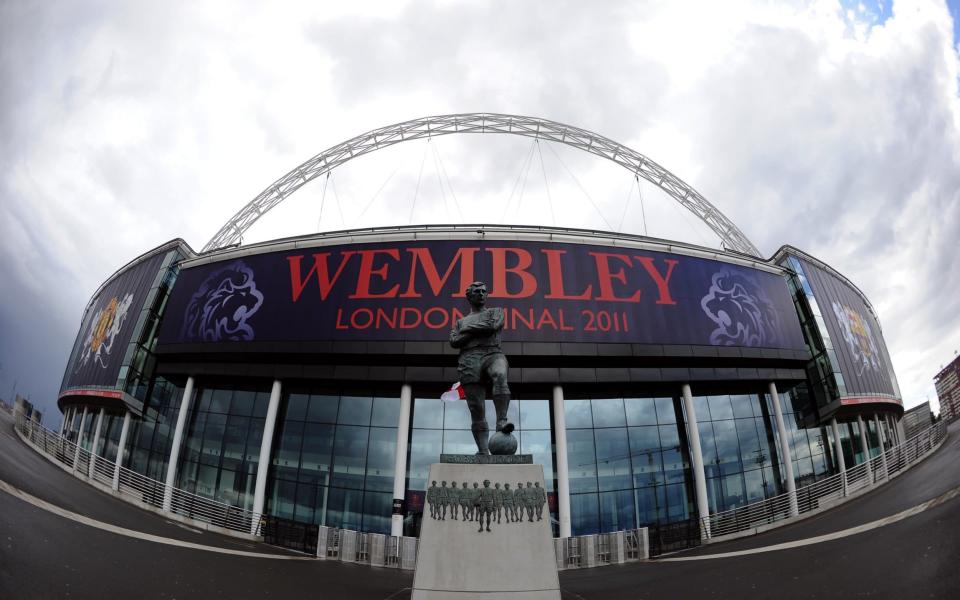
x,y
919,508
52,508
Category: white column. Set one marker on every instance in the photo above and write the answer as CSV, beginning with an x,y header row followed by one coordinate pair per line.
x,y
175,446
785,459
264,465
882,439
696,456
838,453
63,424
865,447
120,446
96,440
76,454
563,468
400,459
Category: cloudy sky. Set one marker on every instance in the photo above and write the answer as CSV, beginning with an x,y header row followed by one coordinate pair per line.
x,y
831,126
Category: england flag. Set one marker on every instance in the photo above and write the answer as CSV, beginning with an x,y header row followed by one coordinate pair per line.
x,y
454,393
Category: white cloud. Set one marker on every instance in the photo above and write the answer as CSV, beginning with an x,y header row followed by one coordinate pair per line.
x,y
124,125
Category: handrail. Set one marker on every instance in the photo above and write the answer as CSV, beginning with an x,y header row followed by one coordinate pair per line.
x,y
135,487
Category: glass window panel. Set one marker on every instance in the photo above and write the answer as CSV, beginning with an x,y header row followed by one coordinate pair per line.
x,y
254,437
720,408
386,412
220,402
534,414
203,404
323,408
345,509
243,402
297,406
539,444
743,405
317,453
213,439
751,453
617,511
666,413
640,411
284,499
678,505
306,505
187,475
577,414
234,441
756,485
645,456
669,436
456,441
456,415
733,492
428,413
728,449
287,453
425,448
675,468
613,459
380,459
260,404
206,482
582,461
608,412
226,487
584,514
650,505
711,462
702,407
355,410
350,455
377,511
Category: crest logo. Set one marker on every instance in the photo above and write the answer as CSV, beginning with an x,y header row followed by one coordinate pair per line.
x,y
858,336
740,308
103,330
221,306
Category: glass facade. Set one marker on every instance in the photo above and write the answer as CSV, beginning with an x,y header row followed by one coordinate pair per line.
x,y
333,455
151,435
628,461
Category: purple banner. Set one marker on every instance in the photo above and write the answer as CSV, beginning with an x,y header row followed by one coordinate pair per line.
x,y
414,291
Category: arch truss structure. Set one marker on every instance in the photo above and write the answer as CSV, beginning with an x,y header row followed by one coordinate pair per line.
x,y
531,127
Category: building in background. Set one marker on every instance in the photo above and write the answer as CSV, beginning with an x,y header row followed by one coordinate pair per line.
x,y
947,382
23,406
917,419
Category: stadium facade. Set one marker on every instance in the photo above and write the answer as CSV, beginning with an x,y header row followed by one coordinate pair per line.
x,y
656,381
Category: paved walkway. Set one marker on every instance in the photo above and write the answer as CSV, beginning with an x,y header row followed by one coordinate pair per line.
x,y
47,553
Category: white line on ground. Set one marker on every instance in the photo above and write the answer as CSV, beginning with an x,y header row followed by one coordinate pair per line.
x,y
41,504
949,495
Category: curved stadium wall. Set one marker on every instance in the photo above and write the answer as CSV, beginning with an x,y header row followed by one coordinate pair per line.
x,y
607,328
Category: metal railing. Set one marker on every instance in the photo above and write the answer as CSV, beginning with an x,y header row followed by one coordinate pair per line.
x,y
134,487
829,491
374,549
615,548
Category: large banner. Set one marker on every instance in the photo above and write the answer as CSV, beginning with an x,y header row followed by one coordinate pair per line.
x,y
855,333
108,326
415,291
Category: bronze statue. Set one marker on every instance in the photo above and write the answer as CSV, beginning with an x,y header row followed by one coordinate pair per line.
x,y
477,336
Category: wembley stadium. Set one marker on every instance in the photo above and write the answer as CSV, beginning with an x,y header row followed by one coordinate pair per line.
x,y
661,384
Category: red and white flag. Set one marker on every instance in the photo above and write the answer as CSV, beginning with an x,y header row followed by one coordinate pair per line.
x,y
455,393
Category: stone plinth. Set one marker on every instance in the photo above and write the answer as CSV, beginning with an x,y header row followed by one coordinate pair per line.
x,y
513,560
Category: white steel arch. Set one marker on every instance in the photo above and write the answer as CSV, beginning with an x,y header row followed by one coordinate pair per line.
x,y
532,127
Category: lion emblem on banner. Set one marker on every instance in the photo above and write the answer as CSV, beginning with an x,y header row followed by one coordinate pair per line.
x,y
103,330
741,310
858,336
220,309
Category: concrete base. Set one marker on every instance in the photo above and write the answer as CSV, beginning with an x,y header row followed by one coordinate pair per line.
x,y
512,560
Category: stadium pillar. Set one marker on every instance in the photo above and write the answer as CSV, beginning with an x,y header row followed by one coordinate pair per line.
x,y
785,459
264,465
96,440
838,451
563,468
696,455
175,446
76,454
865,447
400,461
120,447
882,440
